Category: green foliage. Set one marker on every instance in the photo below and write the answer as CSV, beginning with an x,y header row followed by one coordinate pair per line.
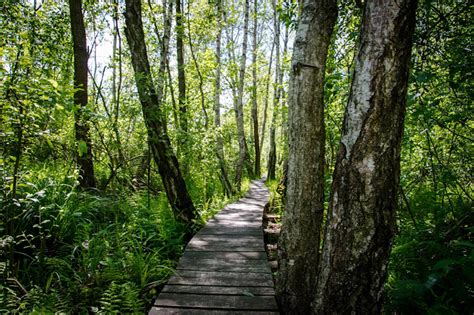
x,y
277,201
74,251
431,263
431,267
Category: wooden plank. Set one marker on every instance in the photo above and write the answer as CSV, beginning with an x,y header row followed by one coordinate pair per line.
x,y
206,240
212,237
226,248
231,231
210,261
158,310
229,223
232,302
239,217
247,276
219,290
232,265
233,268
226,245
215,278
225,255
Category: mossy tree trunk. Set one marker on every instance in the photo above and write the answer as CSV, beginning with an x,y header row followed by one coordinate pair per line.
x,y
153,115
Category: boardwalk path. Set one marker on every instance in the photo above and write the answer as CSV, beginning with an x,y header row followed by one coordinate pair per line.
x,y
224,269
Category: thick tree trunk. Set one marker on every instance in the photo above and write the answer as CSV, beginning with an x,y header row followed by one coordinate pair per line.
x,y
361,216
254,93
239,108
155,120
271,166
217,107
298,248
84,157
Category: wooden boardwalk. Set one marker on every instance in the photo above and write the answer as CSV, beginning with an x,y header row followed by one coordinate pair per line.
x,y
224,269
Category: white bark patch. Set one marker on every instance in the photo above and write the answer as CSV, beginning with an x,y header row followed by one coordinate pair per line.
x,y
358,105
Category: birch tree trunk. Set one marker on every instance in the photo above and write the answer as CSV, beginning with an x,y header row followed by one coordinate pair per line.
x,y
217,106
271,164
361,216
254,92
155,120
239,107
298,248
84,150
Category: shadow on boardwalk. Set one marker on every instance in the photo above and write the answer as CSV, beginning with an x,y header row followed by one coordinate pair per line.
x,y
224,269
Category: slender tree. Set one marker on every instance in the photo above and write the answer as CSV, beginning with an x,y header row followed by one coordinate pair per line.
x,y
254,91
271,166
298,248
153,115
361,216
217,106
239,106
182,102
81,127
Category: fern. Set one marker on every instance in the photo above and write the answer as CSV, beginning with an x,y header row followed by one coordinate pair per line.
x,y
121,299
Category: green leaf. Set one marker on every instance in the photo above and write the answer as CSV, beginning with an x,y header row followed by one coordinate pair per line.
x,y
53,83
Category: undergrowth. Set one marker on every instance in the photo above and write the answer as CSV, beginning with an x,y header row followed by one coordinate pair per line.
x,y
87,252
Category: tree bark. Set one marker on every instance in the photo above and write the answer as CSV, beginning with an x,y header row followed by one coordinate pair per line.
x,y
298,248
84,157
182,102
239,108
267,92
271,164
361,217
256,139
217,107
155,120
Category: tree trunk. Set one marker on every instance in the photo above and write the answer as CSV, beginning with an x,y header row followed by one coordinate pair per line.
x,y
271,167
298,248
181,75
217,107
155,120
256,139
361,216
239,108
267,93
84,149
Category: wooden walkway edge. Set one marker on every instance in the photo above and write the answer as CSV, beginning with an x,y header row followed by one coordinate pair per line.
x,y
224,269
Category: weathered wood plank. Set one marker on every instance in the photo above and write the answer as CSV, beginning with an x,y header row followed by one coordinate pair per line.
x,y
216,278
224,265
253,269
226,245
216,290
232,302
229,223
229,237
225,255
206,240
157,310
231,231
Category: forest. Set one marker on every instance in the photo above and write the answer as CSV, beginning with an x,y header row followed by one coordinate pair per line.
x,y
127,124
